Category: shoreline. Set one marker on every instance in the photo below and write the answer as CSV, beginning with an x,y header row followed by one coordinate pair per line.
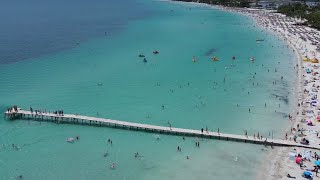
x,y
278,164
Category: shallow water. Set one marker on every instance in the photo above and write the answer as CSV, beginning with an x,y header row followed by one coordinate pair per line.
x,y
194,95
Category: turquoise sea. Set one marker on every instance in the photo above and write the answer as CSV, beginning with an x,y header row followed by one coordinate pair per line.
x,y
194,95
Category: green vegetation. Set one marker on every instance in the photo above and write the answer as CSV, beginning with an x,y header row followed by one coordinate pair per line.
x,y
312,14
229,3
303,11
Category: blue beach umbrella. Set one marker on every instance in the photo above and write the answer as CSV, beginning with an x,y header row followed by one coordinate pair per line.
x,y
317,163
307,173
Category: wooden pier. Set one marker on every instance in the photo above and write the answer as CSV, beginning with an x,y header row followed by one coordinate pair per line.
x,y
86,120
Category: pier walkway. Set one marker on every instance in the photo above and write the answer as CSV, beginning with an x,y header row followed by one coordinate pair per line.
x,y
78,119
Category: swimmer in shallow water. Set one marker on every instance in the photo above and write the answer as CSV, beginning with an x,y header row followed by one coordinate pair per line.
x,y
113,166
106,154
136,154
145,60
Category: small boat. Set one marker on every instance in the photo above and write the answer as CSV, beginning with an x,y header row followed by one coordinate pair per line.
x,y
252,59
145,60
233,58
215,58
141,55
70,140
155,52
259,40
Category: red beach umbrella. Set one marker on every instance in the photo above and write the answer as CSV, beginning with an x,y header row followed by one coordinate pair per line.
x,y
298,160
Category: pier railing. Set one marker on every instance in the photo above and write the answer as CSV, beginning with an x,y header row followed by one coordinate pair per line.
x,y
86,120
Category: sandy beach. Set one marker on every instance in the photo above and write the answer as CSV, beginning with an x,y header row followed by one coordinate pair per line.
x,y
167,69
305,113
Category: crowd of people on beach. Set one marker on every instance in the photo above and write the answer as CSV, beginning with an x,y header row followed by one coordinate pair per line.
x,y
304,41
304,130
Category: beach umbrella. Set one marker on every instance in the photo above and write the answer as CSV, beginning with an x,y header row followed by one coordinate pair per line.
x,y
298,160
318,118
314,60
317,163
307,174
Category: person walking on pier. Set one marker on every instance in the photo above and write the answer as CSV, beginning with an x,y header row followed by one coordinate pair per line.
x,y
201,130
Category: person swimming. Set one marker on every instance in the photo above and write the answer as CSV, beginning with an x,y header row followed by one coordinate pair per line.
x,y
157,137
136,154
141,55
113,166
194,59
106,154
145,60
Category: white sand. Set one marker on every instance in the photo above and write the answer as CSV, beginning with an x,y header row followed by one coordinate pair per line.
x,y
303,41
